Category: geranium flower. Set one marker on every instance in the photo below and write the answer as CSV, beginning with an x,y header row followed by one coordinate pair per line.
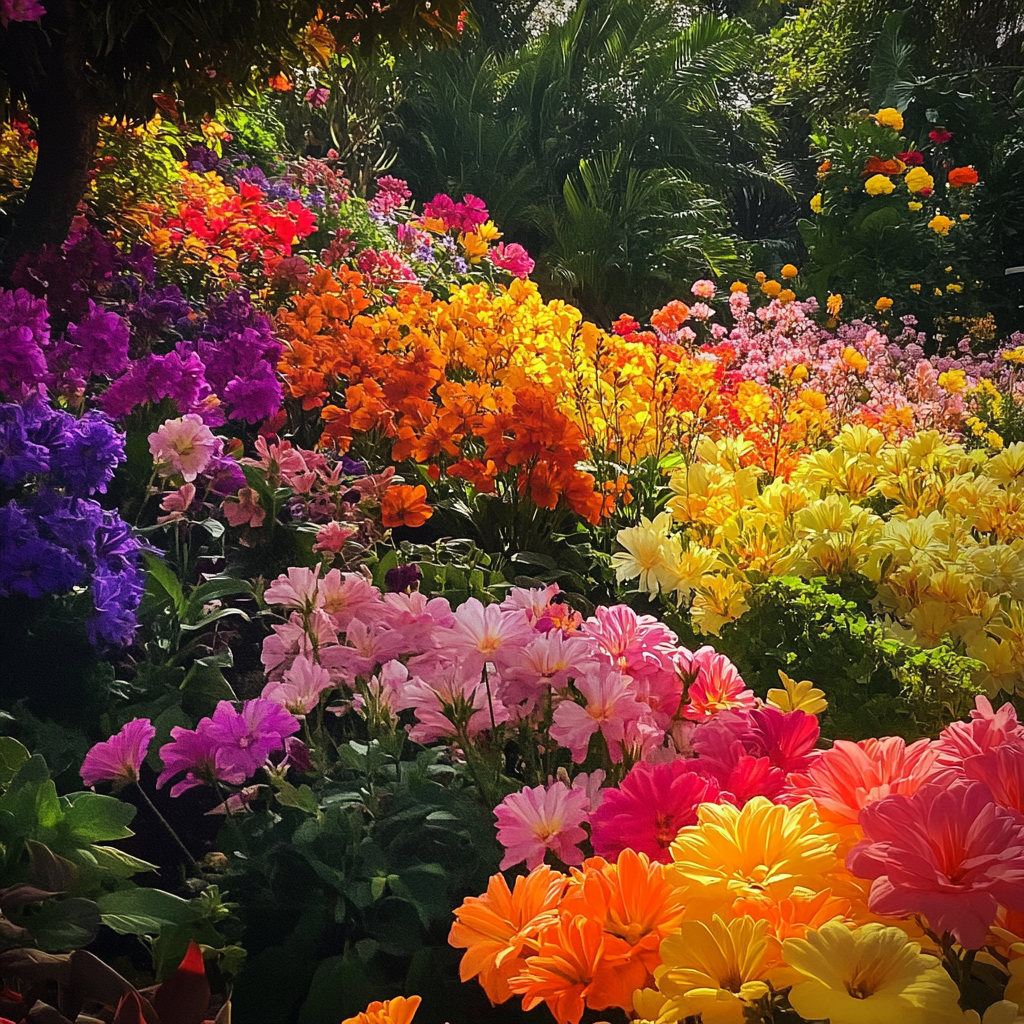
x,y
184,446
405,505
496,929
512,258
648,808
542,818
119,759
948,852
871,973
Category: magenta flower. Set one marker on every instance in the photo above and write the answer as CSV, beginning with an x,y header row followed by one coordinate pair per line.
x,y
787,739
512,258
119,759
20,10
194,752
541,819
948,852
649,807
986,730
246,738
717,686
318,96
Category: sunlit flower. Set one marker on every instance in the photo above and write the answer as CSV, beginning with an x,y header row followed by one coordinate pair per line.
x,y
802,696
184,446
399,1010
542,818
889,117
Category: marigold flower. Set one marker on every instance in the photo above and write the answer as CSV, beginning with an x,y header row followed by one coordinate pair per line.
x,y
737,286
962,177
883,303
918,179
399,1010
405,505
889,117
789,271
914,206
879,185
771,288
817,203
872,973
786,296
940,225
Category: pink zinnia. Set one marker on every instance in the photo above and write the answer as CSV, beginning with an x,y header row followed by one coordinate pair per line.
x,y
649,807
119,759
851,776
611,709
948,852
184,446
512,258
539,819
986,730
717,686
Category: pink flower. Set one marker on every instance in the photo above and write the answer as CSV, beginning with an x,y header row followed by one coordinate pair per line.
x,y
345,596
246,510
787,739
246,738
701,311
540,819
484,633
611,708
452,704
986,730
415,616
194,752
292,638
729,752
717,686
365,648
851,776
704,289
1002,770
512,258
297,588
318,96
20,10
331,537
119,759
301,688
177,503
550,659
948,852
184,446
649,807
638,645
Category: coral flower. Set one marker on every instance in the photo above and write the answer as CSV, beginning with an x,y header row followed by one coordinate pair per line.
x,y
184,446
717,686
648,809
405,505
1002,770
852,776
874,973
948,852
496,929
986,730
399,1010
962,177
763,848
119,759
539,819
716,969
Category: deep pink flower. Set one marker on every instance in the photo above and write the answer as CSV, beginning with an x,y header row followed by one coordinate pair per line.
x,y
948,852
787,739
717,686
318,96
246,738
1002,770
194,752
541,819
638,645
986,730
939,136
512,258
20,10
611,708
119,759
648,808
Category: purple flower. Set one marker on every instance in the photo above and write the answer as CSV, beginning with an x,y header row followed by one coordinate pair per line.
x,y
19,457
254,399
102,341
29,564
194,752
402,578
119,759
248,737
156,312
92,449
24,334
115,597
179,375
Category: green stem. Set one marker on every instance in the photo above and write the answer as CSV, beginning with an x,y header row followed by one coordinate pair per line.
x,y
166,824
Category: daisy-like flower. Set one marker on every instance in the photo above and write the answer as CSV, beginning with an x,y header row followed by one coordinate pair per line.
x,y
345,596
873,973
986,729
496,929
302,686
638,645
717,686
399,1010
119,759
611,708
540,819
484,633
184,446
717,969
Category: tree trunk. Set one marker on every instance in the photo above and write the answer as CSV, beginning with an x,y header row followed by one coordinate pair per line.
x,y
46,64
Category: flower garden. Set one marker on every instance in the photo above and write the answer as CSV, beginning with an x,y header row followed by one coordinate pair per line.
x,y
388,639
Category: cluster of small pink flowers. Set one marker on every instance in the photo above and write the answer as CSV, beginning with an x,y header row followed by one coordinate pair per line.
x,y
466,215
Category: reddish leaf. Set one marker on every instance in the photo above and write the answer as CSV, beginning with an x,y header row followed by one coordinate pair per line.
x,y
185,995
129,1010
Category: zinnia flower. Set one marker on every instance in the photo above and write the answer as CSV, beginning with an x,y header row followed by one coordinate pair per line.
x,y
540,819
717,686
495,928
399,1010
879,185
918,179
184,446
962,177
948,852
405,505
874,973
940,224
119,759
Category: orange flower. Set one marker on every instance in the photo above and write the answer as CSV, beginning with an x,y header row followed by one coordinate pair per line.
x,y
961,177
280,83
876,165
670,317
499,928
789,918
405,505
392,1011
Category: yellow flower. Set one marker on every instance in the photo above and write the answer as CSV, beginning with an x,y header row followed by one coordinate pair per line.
x,y
716,969
802,696
915,206
474,247
873,973
915,287
649,554
789,270
737,286
879,185
854,359
760,277
719,599
883,303
918,179
953,381
1015,355
489,232
940,224
954,287
771,288
787,295
799,373
993,440
965,216
816,203
834,304
1003,1012
938,291
890,117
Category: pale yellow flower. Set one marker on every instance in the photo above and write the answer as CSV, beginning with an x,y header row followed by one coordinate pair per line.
x,y
802,696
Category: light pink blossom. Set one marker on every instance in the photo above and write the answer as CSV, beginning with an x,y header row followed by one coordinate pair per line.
x,y
301,688
611,708
245,509
184,446
484,633
539,819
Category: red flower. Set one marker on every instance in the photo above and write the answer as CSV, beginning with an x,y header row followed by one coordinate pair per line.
x,y
962,177
939,136
912,158
625,326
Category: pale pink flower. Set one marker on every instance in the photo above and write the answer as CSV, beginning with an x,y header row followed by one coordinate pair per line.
x,y
484,633
948,852
389,686
716,686
550,659
851,776
295,637
177,503
364,649
298,588
245,510
415,616
119,759
611,708
535,601
986,730
539,819
590,785
301,688
332,537
704,289
701,311
345,596
638,645
184,446
453,705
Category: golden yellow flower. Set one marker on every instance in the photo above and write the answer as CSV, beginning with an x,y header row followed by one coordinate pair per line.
x,y
1015,355
879,185
883,303
834,304
918,179
965,216
786,296
816,203
489,232
760,277
473,246
789,271
953,381
890,117
802,696
915,287
954,287
854,359
940,224
914,205
771,288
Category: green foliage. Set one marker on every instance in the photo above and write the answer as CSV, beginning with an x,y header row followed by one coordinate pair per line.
x,y
875,686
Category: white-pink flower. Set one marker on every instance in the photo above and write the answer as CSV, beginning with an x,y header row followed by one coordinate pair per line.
x,y
484,633
704,289
452,703
550,659
364,649
344,596
611,708
301,687
185,445
539,819
298,588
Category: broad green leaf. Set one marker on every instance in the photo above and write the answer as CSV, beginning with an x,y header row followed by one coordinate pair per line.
x,y
202,688
142,911
62,925
302,797
163,574
119,863
94,818
12,756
